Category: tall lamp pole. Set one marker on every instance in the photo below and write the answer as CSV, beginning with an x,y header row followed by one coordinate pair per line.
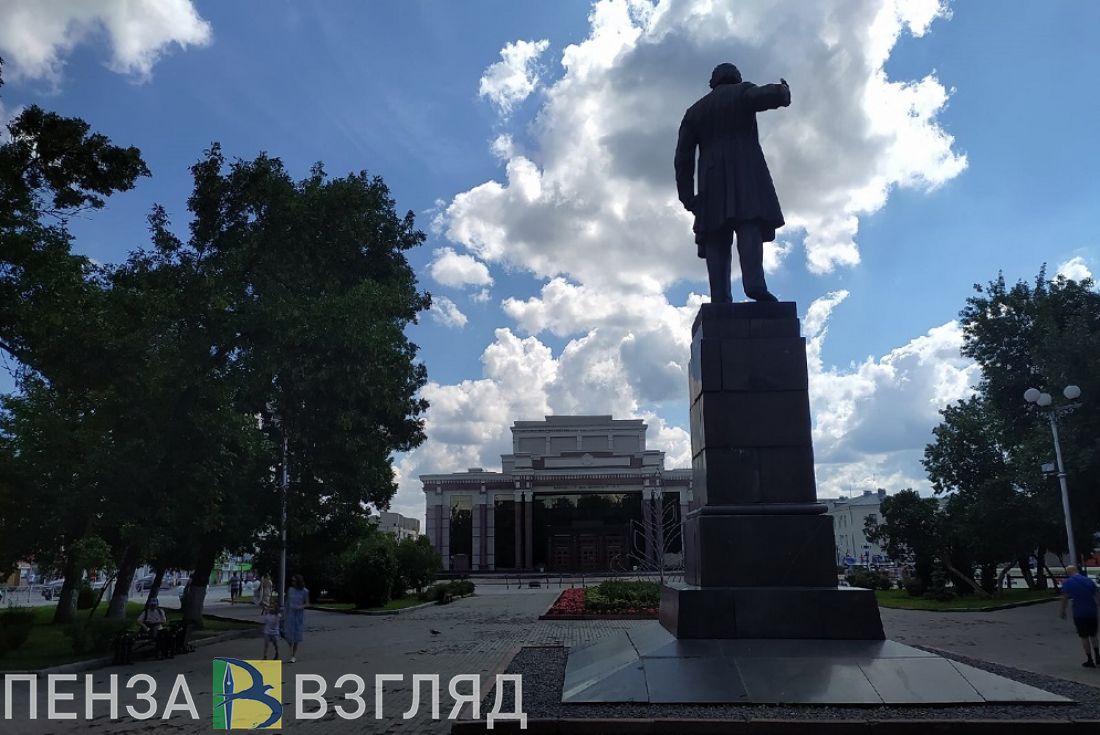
x,y
282,554
1044,401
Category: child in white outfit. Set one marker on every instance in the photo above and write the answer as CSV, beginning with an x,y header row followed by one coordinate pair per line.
x,y
271,620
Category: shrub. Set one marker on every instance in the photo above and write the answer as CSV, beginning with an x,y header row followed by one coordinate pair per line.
x,y
869,580
462,587
913,586
95,635
15,628
370,571
436,592
85,597
939,590
621,595
417,562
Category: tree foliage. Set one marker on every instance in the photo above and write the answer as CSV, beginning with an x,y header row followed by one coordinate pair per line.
x,y
154,396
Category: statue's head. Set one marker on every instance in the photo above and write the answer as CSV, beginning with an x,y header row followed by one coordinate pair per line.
x,y
724,74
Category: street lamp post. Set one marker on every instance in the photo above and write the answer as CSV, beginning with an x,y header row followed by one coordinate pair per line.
x,y
1044,401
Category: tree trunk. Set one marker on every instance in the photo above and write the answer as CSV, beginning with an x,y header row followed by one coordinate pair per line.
x,y
66,599
990,578
1025,571
1040,578
99,597
195,596
965,578
157,580
116,610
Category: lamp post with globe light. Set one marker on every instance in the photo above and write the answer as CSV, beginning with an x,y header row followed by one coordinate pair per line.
x,y
1045,402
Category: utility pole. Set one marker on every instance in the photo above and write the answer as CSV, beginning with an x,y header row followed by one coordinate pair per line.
x,y
286,489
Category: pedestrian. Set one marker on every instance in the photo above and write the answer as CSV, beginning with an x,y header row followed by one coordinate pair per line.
x,y
1083,592
297,597
265,591
234,588
271,620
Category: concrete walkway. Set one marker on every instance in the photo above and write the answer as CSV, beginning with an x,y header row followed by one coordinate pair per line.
x,y
478,635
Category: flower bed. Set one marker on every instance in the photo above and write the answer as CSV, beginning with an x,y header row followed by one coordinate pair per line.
x,y
607,601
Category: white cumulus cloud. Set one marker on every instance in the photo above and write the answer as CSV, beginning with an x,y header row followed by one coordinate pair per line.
x,y
36,36
597,176
1075,269
458,269
512,79
446,312
873,419
588,203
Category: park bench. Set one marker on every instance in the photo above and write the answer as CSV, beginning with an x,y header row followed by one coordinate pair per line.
x,y
168,643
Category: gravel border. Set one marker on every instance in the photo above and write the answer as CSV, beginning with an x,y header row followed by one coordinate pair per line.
x,y
543,671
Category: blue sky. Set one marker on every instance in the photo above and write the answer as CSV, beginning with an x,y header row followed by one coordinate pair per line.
x,y
927,147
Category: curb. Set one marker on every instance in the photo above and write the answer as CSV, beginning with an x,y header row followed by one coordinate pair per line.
x,y
612,616
579,726
990,608
104,661
352,611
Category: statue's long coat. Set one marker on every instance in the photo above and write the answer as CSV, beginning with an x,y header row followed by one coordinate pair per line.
x,y
734,182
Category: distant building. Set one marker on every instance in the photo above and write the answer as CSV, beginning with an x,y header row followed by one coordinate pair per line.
x,y
570,497
399,526
849,516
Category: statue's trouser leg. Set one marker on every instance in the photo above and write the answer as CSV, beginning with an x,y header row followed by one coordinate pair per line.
x,y
719,247
750,248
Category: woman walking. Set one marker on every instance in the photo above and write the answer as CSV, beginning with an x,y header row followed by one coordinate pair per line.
x,y
297,597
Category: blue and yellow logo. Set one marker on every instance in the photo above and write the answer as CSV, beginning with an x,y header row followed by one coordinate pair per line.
x,y
248,695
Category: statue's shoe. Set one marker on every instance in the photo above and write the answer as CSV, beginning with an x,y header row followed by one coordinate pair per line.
x,y
764,295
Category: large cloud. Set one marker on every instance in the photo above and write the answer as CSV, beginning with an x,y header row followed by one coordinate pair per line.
x,y
36,36
587,202
512,79
872,420
600,177
457,270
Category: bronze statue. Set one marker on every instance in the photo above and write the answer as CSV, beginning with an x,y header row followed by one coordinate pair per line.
x,y
736,194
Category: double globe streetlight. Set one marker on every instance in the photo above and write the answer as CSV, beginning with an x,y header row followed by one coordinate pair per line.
x,y
1045,401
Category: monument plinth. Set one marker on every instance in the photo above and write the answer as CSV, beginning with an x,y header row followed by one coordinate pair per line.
x,y
759,549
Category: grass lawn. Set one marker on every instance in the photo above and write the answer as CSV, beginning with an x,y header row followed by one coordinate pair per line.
x,y
399,603
334,605
901,599
49,646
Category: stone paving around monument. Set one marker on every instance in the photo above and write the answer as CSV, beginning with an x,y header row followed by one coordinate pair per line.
x,y
479,635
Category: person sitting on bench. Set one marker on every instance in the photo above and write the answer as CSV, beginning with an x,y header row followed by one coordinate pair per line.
x,y
152,619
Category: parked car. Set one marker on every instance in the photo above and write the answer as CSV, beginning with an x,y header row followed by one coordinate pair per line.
x,y
52,589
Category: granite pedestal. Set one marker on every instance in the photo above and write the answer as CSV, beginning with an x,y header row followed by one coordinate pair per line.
x,y
759,618
760,559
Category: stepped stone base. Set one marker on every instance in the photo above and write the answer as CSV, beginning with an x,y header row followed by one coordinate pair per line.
x,y
832,613
647,664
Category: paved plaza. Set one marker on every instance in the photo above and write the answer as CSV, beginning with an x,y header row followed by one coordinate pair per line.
x,y
478,635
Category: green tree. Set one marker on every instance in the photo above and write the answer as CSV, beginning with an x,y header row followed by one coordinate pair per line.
x,y
1045,334
989,520
908,530
310,294
52,323
417,562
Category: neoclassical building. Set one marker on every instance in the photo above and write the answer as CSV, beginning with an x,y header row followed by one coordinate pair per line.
x,y
577,493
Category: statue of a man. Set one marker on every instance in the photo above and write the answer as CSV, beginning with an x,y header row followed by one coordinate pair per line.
x,y
736,194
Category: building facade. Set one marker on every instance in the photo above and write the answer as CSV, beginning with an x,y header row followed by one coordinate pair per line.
x,y
399,526
577,493
849,518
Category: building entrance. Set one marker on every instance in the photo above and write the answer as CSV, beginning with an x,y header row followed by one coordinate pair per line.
x,y
576,551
